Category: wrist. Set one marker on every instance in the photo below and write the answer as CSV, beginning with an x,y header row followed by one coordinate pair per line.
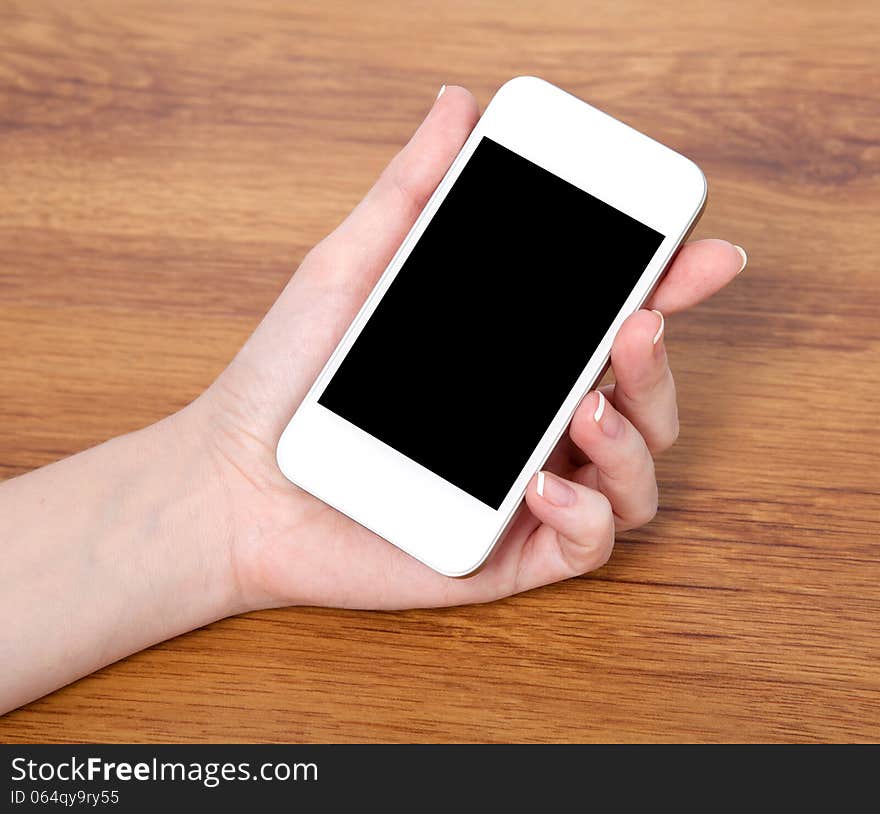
x,y
125,545
193,509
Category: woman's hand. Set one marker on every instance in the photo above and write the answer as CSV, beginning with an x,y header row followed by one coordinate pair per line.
x,y
187,521
286,547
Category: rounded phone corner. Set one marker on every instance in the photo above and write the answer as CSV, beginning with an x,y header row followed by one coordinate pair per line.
x,y
281,456
526,82
697,178
458,572
477,565
462,568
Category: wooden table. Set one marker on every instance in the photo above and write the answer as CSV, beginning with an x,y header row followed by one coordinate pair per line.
x,y
165,166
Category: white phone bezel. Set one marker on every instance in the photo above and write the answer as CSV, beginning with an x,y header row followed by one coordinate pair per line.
x,y
431,519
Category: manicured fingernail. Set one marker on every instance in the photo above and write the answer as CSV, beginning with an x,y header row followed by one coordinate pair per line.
x,y
745,257
608,420
442,90
600,407
660,327
555,490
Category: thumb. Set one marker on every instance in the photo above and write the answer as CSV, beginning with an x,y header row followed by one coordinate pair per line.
x,y
272,372
360,248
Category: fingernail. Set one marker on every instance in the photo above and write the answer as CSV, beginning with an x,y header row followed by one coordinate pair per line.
x,y
600,407
660,328
742,253
608,420
442,91
555,490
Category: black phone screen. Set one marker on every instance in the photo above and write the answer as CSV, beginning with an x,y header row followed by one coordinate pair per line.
x,y
491,319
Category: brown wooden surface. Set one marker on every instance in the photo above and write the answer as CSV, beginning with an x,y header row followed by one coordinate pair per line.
x,y
165,166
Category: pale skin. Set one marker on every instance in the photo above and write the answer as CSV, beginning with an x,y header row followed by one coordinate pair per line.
x,y
189,520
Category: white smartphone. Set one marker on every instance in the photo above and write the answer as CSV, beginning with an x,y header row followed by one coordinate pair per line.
x,y
493,320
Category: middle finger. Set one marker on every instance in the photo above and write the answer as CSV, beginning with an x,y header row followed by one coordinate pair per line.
x,y
645,390
621,466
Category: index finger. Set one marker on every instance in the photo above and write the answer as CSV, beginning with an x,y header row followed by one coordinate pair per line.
x,y
699,270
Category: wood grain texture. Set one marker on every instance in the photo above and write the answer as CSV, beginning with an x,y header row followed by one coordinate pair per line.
x,y
165,166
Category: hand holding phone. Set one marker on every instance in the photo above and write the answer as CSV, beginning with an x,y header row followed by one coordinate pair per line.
x,y
290,547
554,224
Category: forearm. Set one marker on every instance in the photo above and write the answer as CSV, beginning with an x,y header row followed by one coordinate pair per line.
x,y
107,552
